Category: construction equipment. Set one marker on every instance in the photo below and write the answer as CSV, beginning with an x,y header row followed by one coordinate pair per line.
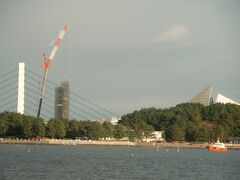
x,y
46,62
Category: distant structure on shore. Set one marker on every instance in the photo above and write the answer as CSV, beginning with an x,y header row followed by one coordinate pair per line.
x,y
112,120
222,99
61,109
205,97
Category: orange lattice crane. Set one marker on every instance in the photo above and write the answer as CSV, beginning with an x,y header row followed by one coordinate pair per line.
x,y
47,61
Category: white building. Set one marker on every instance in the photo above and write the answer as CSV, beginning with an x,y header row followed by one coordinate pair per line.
x,y
114,120
156,136
222,99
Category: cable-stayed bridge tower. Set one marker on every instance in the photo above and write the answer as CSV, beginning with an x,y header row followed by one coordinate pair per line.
x,y
19,92
20,100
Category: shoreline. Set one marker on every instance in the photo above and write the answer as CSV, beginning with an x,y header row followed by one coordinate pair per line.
x,y
113,143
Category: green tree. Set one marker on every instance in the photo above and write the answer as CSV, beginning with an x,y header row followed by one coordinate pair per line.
x,y
61,129
108,129
3,125
73,129
203,135
120,131
14,124
39,128
91,130
56,128
236,128
28,128
191,132
175,133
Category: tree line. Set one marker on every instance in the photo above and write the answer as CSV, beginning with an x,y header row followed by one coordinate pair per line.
x,y
184,122
14,125
188,121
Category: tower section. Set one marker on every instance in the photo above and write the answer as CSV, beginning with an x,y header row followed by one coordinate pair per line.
x,y
62,93
204,97
20,102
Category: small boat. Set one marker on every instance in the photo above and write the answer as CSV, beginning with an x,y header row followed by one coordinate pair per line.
x,y
217,146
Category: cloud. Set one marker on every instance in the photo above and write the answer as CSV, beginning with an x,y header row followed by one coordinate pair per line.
x,y
174,34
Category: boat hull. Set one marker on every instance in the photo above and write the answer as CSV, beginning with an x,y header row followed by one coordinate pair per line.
x,y
224,149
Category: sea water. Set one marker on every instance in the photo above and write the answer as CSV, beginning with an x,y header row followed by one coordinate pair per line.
x,y
23,162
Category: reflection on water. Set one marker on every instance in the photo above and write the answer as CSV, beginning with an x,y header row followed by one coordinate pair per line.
x,y
108,162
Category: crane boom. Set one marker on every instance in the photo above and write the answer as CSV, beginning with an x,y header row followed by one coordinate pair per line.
x,y
47,61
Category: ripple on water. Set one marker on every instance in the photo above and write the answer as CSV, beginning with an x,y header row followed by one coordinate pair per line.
x,y
107,162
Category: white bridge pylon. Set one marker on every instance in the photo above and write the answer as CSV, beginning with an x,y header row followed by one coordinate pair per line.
x,y
21,73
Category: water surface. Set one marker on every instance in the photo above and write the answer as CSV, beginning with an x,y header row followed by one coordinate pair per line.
x,y
25,162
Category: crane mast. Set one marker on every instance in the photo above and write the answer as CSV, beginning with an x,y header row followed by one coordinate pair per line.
x,y
46,62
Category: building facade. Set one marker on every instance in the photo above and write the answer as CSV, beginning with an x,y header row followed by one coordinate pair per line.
x,y
62,93
204,97
222,99
157,136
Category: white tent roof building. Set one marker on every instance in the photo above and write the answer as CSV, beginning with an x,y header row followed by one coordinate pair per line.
x,y
222,99
205,97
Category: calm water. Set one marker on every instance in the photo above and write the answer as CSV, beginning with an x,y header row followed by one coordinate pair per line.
x,y
103,162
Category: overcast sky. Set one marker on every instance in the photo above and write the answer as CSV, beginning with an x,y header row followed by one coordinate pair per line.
x,y
128,54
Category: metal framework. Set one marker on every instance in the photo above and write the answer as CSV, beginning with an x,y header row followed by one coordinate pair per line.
x,y
46,62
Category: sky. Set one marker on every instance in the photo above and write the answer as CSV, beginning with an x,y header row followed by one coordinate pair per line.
x,y
128,54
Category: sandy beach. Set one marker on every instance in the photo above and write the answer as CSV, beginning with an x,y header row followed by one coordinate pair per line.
x,y
111,143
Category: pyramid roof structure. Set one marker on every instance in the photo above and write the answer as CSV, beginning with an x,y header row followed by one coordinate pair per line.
x,y
204,97
222,99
